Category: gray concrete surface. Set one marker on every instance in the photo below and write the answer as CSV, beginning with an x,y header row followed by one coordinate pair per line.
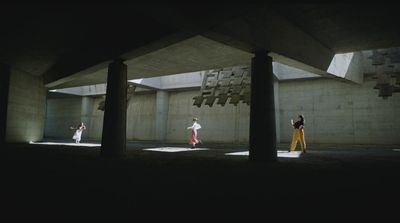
x,y
335,112
26,107
339,112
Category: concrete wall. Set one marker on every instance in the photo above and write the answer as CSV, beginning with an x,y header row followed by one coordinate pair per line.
x,y
219,124
337,112
186,80
62,113
26,108
96,123
141,118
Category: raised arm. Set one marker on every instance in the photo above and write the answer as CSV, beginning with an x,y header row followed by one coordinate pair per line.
x,y
198,126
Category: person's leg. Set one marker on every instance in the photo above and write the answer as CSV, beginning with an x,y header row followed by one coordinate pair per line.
x,y
294,140
302,141
196,140
193,139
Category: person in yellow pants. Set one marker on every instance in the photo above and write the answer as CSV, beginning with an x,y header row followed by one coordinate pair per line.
x,y
298,135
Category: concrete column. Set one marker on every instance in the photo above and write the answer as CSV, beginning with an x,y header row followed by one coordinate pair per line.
x,y
277,112
161,115
262,110
113,142
86,113
5,72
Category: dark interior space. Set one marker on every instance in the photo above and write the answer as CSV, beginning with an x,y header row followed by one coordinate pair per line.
x,y
48,46
60,183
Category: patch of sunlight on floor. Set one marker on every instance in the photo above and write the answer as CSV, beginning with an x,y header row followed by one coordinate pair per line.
x,y
67,144
281,153
174,149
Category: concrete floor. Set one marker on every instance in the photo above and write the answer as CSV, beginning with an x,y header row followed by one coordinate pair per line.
x,y
62,182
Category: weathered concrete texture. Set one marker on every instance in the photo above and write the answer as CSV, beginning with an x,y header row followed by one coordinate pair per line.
x,y
355,71
335,112
348,66
284,72
161,114
141,116
61,114
345,27
191,55
96,126
96,89
194,54
26,108
186,80
340,113
86,112
390,62
64,112
266,29
219,124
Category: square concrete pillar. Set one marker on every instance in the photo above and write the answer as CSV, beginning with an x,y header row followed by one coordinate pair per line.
x,y
262,137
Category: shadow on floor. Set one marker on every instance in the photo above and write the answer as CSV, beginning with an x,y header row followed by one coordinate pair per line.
x,y
63,182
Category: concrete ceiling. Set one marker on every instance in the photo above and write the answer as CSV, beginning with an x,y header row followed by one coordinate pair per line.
x,y
71,45
66,38
347,27
194,54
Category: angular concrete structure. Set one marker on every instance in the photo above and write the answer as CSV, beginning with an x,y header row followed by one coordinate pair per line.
x,y
50,54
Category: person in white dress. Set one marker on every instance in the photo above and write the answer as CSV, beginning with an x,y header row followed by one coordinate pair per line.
x,y
193,139
78,132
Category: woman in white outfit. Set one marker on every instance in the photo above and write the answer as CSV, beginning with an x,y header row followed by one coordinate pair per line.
x,y
78,132
193,140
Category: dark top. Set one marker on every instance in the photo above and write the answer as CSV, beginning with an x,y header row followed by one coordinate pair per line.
x,y
298,124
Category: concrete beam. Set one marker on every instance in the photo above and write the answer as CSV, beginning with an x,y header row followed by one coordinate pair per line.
x,y
152,83
348,66
78,64
284,72
190,55
287,43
